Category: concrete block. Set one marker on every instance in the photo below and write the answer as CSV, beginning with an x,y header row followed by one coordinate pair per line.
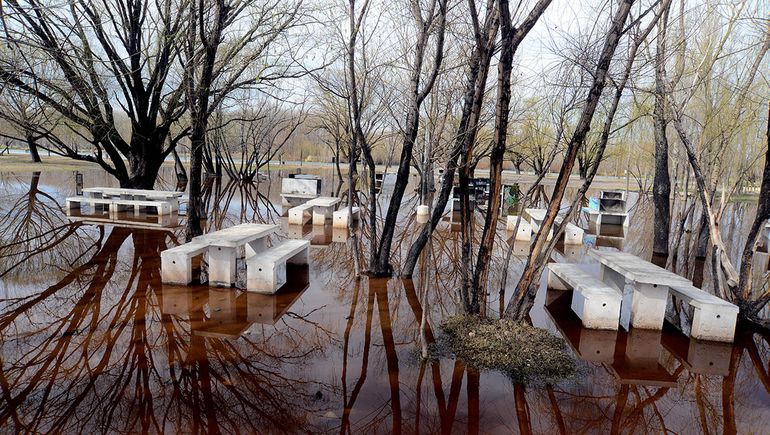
x,y
340,217
524,231
222,266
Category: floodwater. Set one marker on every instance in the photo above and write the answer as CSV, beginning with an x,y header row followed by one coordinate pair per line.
x,y
91,341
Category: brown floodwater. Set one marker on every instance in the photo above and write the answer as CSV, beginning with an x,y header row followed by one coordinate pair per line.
x,y
93,342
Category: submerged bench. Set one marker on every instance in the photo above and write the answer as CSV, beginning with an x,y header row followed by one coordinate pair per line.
x,y
114,205
76,202
711,318
340,218
161,207
573,234
524,232
176,263
266,272
597,304
322,209
297,214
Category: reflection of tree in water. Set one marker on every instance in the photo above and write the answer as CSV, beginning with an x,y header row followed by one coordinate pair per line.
x,y
236,202
94,351
36,240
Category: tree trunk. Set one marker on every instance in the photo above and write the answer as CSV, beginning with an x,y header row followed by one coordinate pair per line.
x,y
745,286
33,151
381,260
661,190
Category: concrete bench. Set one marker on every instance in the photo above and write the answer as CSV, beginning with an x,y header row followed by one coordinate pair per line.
x,y
266,272
711,318
524,232
597,304
176,263
297,214
340,217
162,207
573,234
75,202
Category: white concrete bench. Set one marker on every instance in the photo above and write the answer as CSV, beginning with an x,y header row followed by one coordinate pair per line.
x,y
162,207
711,318
266,272
297,214
75,202
597,304
176,263
340,217
524,232
573,234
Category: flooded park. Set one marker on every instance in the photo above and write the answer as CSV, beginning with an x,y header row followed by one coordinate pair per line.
x,y
93,341
371,217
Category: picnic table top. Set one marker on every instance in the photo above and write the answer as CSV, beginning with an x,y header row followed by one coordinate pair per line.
x,y
121,191
536,213
324,201
238,235
617,213
637,269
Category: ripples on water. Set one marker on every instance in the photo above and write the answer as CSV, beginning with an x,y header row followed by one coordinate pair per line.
x,y
93,342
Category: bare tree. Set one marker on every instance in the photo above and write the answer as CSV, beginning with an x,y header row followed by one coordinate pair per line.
x,y
85,59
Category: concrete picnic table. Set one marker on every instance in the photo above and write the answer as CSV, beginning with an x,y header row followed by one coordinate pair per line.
x,y
323,208
135,194
644,286
223,245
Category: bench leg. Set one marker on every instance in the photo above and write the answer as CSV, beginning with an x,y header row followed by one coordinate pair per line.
x,y
321,215
263,277
175,269
573,236
340,220
296,217
713,324
596,312
644,306
222,263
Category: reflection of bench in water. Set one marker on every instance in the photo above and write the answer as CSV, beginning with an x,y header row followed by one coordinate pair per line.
x,y
702,357
634,357
222,313
142,222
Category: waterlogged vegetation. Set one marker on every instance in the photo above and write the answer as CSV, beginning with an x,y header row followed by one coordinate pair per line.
x,y
521,351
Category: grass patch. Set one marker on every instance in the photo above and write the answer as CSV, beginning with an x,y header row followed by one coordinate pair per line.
x,y
523,352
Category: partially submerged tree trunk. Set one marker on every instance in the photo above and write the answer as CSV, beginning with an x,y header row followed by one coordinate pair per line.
x,y
745,285
661,190
381,262
510,38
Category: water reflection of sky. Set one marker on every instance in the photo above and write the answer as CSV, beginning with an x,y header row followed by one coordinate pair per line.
x,y
92,341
